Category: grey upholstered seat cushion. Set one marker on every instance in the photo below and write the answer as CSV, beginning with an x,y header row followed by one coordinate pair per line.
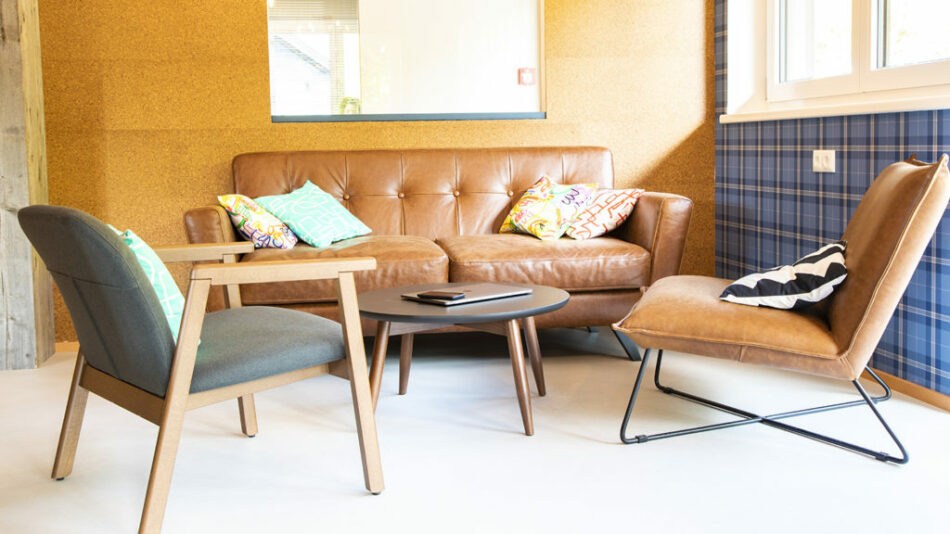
x,y
244,344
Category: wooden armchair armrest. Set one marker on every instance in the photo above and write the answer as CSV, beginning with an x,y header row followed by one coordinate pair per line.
x,y
278,271
203,251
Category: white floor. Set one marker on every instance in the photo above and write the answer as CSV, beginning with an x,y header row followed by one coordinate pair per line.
x,y
455,458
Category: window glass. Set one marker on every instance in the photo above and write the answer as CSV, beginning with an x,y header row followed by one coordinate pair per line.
x,y
314,56
815,39
405,59
913,31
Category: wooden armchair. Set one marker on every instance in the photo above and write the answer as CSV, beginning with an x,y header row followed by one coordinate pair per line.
x,y
128,356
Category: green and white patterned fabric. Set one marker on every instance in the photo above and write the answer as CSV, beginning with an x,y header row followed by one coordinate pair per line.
x,y
169,296
314,215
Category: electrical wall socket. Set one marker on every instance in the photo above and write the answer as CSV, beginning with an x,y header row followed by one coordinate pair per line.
x,y
823,161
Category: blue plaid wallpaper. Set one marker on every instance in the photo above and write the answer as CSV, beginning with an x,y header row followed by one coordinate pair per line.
x,y
771,209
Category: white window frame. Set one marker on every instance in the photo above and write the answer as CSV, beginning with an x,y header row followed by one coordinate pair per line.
x,y
832,85
753,72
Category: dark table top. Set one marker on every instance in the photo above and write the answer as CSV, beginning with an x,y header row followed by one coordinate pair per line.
x,y
388,305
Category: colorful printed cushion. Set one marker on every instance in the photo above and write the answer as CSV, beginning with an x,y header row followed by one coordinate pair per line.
x,y
609,209
256,224
546,209
169,296
314,215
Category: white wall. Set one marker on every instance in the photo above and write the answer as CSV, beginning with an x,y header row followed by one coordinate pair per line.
x,y
448,56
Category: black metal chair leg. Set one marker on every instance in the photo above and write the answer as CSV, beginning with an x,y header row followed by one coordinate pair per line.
x,y
633,400
772,420
631,348
883,456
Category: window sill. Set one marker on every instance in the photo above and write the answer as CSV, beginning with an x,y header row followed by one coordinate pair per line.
x,y
773,113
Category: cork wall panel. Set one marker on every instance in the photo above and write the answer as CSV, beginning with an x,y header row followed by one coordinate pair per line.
x,y
148,102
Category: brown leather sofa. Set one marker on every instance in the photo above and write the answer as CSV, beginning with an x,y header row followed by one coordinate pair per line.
x,y
435,214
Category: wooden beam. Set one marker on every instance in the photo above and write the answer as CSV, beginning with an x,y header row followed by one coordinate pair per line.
x,y
26,305
35,115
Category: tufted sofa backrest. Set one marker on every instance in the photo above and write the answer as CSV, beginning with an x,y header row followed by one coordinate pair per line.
x,y
431,193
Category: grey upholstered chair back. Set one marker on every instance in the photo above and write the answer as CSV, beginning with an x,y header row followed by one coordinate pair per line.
x,y
121,327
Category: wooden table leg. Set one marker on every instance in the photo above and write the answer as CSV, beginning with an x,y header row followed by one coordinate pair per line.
x,y
534,353
521,375
379,358
405,360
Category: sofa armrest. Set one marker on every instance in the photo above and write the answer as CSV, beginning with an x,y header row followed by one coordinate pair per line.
x,y
659,223
209,224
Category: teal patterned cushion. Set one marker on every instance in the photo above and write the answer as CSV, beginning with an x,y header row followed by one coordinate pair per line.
x,y
169,296
314,215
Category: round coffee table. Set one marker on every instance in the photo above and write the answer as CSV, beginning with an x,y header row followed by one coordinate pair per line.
x,y
398,316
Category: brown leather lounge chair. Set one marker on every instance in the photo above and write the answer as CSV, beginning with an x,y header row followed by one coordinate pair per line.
x,y
886,238
128,354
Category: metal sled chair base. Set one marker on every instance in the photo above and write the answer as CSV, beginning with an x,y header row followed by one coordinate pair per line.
x,y
772,420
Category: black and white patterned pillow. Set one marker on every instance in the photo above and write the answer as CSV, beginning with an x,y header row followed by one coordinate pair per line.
x,y
795,286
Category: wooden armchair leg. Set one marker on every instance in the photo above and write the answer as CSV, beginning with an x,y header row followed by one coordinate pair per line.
x,y
173,412
163,465
72,423
363,404
366,428
248,415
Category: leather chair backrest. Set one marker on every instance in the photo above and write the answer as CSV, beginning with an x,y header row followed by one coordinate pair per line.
x,y
121,327
887,235
431,193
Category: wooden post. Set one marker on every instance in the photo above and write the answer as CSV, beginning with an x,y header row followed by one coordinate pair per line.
x,y
26,293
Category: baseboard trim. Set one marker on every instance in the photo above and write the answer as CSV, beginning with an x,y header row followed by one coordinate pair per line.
x,y
916,391
67,346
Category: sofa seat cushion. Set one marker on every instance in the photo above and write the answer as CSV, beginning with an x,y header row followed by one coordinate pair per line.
x,y
401,260
602,263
